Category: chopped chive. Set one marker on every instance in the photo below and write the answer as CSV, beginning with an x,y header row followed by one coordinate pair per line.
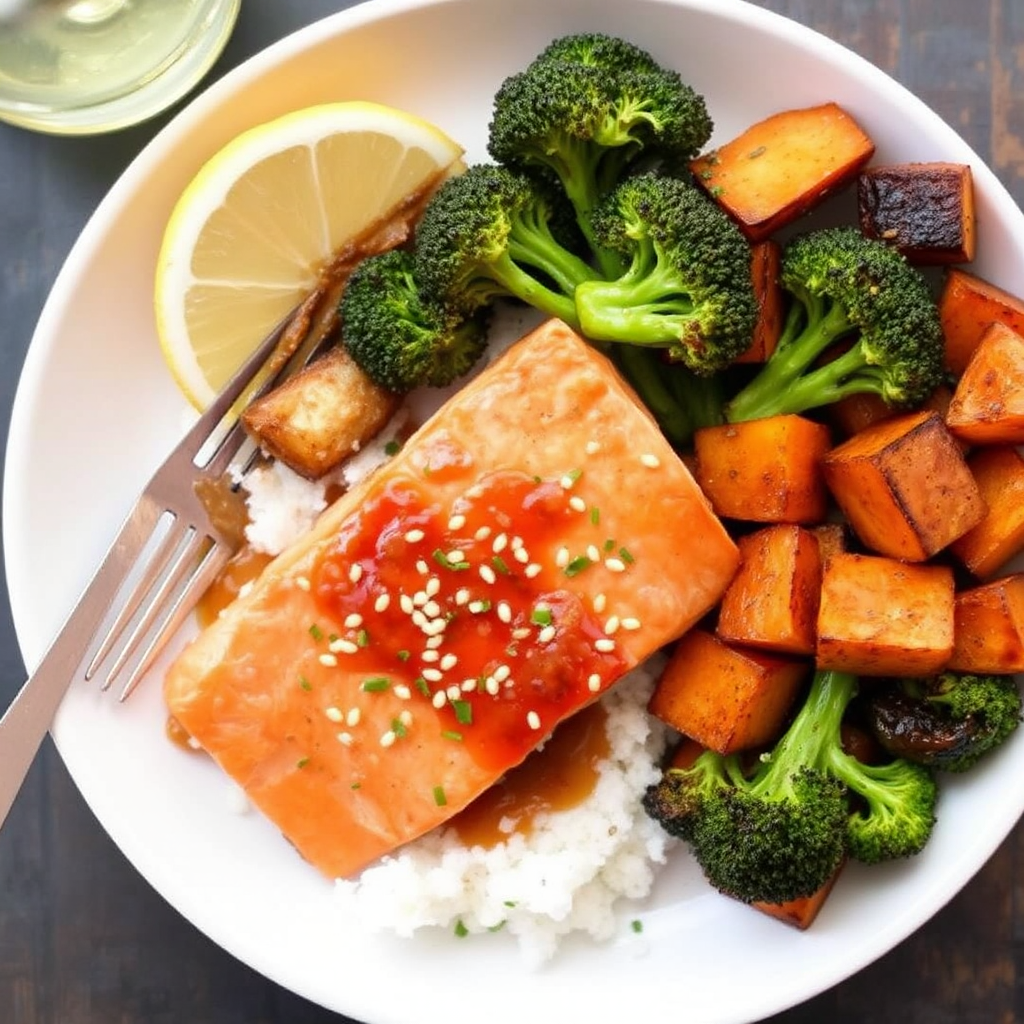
x,y
500,564
595,515
461,931
305,683
421,684
574,474
362,638
511,650
355,785
316,632
302,762
497,927
577,565
510,903
439,798
452,734
404,655
755,153
377,684
331,637
541,616
463,712
717,191
626,556
445,562
392,448
398,727
609,544
637,925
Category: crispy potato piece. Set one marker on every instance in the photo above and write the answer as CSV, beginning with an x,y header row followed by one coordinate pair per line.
x,y
925,210
999,473
765,258
724,697
988,627
782,166
904,486
766,470
988,404
320,416
967,305
772,602
879,616
801,912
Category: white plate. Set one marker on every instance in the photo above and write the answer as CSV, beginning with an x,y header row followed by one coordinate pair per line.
x,y
96,410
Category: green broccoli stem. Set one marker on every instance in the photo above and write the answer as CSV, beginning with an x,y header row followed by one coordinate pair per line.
x,y
813,736
537,248
526,287
644,371
642,307
782,384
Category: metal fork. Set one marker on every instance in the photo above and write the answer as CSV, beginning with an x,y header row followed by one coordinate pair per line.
x,y
166,554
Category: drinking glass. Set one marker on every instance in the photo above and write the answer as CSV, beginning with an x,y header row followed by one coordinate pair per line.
x,y
86,66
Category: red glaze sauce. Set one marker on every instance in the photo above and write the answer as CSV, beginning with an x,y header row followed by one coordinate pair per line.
x,y
514,637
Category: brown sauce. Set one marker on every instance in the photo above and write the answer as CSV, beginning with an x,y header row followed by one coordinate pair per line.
x,y
245,565
558,777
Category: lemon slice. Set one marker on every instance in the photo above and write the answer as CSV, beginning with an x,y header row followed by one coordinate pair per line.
x,y
246,240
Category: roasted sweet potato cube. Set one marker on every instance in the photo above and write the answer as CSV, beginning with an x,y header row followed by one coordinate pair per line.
x,y
967,305
780,167
999,472
988,404
925,210
801,912
855,413
321,416
724,697
879,616
766,470
765,258
772,602
988,627
904,486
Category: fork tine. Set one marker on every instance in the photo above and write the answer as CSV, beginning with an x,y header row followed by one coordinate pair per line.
x,y
203,575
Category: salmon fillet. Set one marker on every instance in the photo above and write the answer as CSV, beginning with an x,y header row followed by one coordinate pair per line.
x,y
533,541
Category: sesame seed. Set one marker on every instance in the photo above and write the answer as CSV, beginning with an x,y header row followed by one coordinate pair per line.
x,y
462,596
353,716
388,738
483,533
421,567
420,598
593,447
520,633
593,554
650,460
502,672
500,543
333,713
353,621
615,565
433,587
432,675
594,683
355,574
476,607
418,618
302,583
455,556
433,642
454,692
439,699
474,492
405,603
345,738
533,720
630,623
492,686
546,635
382,602
521,555
435,627
612,625
487,574
414,536
533,569
504,611
600,601
329,660
562,557
405,717
430,655
567,481
468,685
402,692
577,504
342,646
432,609
516,543
449,661
604,645
456,522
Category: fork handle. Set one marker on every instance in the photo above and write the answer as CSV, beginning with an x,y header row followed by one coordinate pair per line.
x,y
30,714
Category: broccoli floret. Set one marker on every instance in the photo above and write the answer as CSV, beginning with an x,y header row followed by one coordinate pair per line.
x,y
948,721
400,338
687,287
843,285
491,233
779,831
587,110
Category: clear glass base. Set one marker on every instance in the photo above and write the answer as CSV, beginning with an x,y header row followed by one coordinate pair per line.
x,y
79,67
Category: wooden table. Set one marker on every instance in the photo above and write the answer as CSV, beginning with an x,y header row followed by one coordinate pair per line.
x,y
83,940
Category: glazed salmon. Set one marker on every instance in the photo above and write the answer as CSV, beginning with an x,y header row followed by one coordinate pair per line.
x,y
533,541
